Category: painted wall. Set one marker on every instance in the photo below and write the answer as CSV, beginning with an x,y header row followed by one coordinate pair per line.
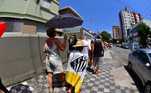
x,y
22,56
29,9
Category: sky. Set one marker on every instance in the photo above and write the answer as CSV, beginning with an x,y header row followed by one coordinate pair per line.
x,y
101,15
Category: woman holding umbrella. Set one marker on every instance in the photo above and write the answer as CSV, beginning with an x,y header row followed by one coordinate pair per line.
x,y
63,20
53,61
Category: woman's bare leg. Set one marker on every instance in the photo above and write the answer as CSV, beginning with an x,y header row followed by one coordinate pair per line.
x,y
50,82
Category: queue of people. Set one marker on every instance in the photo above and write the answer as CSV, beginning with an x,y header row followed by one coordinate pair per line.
x,y
83,56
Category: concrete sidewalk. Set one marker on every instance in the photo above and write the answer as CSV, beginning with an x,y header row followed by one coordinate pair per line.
x,y
122,78
107,54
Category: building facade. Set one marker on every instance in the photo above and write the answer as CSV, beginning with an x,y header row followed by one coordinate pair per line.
x,y
27,15
116,32
79,32
22,44
127,20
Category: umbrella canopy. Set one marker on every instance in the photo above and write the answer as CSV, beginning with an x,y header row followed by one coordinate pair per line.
x,y
65,21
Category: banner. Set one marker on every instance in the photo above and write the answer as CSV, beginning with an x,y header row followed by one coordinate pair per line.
x,y
76,70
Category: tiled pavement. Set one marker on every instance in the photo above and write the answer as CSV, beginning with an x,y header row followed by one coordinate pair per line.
x,y
103,83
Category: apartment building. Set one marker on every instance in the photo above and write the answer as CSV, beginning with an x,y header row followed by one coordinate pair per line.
x,y
128,19
117,34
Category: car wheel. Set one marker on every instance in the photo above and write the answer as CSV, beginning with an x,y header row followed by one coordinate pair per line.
x,y
147,88
129,66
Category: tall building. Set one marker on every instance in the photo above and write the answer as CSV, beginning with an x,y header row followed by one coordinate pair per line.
x,y
117,34
127,20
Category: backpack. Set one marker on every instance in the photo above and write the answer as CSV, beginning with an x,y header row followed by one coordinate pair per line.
x,y
98,49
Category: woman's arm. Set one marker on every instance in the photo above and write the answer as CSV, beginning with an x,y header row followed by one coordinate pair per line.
x,y
91,51
102,44
45,48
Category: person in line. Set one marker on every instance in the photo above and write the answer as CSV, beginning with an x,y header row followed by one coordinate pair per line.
x,y
72,41
76,68
98,53
90,67
87,52
53,60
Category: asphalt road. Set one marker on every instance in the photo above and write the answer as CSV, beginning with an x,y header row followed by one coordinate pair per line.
x,y
120,55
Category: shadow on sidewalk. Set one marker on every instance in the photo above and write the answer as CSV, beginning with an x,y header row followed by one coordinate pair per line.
x,y
136,79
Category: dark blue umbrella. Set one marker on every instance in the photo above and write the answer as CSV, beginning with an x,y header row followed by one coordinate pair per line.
x,y
64,21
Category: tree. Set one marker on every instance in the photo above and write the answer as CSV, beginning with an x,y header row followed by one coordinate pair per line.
x,y
105,36
143,32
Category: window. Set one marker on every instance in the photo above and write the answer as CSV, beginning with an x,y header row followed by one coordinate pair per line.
x,y
149,55
143,57
45,4
49,1
41,28
14,26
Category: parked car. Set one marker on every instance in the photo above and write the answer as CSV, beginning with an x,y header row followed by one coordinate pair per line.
x,y
125,45
140,63
118,45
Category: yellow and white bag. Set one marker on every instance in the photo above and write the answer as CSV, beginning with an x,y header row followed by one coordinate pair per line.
x,y
76,70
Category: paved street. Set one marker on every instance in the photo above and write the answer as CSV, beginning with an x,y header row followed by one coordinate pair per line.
x,y
120,56
112,79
